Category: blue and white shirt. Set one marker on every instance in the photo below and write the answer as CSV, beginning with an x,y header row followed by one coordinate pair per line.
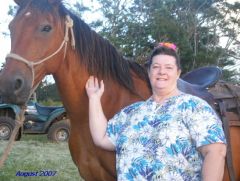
x,y
159,141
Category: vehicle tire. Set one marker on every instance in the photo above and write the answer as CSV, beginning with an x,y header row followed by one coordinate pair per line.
x,y
7,125
59,131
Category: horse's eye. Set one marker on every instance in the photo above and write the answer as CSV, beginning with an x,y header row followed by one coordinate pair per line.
x,y
46,28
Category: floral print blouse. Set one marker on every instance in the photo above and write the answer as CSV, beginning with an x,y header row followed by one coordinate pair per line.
x,y
159,141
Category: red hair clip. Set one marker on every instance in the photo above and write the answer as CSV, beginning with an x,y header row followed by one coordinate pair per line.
x,y
168,45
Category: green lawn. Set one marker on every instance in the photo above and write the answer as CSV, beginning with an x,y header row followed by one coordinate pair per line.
x,y
34,155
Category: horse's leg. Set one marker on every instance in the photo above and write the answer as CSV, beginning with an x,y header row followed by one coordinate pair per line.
x,y
85,157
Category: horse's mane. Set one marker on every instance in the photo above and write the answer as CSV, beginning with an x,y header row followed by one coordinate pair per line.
x,y
97,54
101,57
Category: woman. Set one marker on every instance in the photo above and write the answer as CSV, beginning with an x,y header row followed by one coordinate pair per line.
x,y
170,136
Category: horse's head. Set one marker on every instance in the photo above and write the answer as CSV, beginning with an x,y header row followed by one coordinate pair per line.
x,y
39,35
37,46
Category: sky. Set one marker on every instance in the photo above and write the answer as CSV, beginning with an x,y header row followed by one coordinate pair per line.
x,y
5,19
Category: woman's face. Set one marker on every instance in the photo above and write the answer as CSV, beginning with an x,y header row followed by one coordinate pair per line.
x,y
163,73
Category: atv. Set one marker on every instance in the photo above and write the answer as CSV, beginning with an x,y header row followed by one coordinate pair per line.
x,y
39,119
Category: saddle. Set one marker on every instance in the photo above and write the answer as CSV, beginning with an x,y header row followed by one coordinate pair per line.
x,y
227,96
198,81
204,77
228,92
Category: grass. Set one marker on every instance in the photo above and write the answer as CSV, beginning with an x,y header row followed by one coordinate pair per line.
x,y
34,153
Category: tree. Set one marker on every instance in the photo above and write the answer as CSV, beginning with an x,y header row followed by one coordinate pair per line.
x,y
47,91
196,26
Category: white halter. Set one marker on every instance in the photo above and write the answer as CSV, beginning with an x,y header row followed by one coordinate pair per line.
x,y
31,64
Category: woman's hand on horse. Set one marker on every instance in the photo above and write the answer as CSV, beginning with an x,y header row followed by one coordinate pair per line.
x,y
93,88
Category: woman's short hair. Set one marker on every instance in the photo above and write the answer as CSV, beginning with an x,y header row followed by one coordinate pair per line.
x,y
164,49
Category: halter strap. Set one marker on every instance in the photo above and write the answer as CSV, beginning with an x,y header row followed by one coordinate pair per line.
x,y
31,64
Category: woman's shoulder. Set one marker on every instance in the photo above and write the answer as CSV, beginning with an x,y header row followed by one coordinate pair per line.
x,y
132,106
191,100
190,97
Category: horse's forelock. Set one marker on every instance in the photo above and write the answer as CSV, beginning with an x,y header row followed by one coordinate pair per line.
x,y
40,5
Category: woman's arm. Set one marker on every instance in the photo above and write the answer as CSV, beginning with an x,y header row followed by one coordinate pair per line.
x,y
97,119
214,160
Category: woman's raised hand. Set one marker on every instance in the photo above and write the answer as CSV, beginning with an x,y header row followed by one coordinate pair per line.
x,y
93,88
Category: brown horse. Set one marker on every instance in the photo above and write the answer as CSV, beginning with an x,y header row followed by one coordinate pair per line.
x,y
40,37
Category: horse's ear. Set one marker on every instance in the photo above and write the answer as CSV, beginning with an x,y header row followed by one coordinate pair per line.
x,y
20,2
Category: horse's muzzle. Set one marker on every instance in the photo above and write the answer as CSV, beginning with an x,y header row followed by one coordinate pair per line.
x,y
14,89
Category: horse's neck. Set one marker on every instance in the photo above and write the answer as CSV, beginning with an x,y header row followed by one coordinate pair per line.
x,y
71,79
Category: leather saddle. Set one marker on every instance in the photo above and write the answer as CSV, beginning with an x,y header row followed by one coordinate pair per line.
x,y
199,80
204,77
